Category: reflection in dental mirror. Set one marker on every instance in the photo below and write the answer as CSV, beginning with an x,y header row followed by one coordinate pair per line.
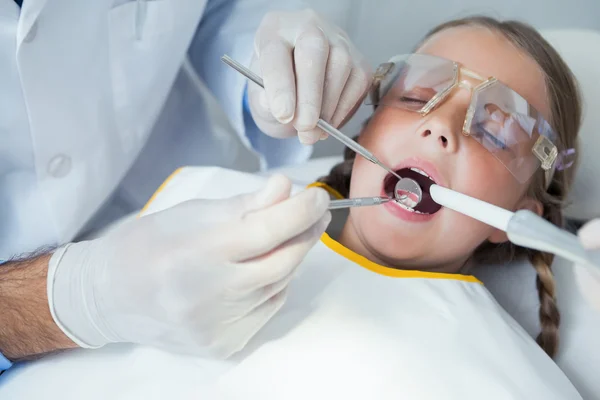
x,y
408,192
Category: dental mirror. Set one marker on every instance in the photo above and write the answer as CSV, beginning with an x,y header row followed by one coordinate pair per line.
x,y
408,192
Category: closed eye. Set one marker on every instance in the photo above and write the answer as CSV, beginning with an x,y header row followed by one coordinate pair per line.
x,y
412,100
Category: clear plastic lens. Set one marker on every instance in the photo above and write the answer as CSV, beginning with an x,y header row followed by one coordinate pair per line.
x,y
414,81
503,124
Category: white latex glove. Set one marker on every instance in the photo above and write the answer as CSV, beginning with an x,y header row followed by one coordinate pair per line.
x,y
589,280
199,278
310,70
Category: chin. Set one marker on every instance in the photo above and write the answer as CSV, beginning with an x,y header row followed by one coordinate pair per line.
x,y
404,245
392,247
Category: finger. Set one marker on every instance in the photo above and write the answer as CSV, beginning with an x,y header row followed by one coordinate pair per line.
x,y
275,61
257,96
589,234
277,188
214,211
258,296
339,66
247,327
262,231
354,92
261,112
310,59
261,276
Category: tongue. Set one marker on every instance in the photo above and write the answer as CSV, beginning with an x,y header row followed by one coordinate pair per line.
x,y
427,205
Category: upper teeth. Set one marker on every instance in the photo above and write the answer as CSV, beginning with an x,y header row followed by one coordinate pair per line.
x,y
419,171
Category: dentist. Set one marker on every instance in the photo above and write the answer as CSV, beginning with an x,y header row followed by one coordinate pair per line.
x,y
99,102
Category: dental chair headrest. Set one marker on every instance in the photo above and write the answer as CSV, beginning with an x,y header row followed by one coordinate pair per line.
x,y
581,51
512,284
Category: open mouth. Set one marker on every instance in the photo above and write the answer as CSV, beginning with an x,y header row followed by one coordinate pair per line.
x,y
427,205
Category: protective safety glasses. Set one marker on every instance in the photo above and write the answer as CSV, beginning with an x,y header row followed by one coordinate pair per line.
x,y
500,119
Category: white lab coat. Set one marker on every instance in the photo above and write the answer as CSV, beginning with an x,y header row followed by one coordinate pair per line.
x,y
95,109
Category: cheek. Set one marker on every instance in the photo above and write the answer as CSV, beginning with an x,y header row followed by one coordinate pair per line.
x,y
375,135
463,234
479,174
366,180
388,129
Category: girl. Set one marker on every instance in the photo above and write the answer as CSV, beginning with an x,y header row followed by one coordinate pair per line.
x,y
475,160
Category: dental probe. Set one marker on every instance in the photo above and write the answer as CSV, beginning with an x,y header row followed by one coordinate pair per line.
x,y
358,202
524,228
403,191
357,148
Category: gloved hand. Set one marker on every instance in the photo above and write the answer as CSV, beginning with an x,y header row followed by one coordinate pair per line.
x,y
587,279
310,70
199,278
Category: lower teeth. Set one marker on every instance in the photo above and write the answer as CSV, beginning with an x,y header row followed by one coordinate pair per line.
x,y
407,208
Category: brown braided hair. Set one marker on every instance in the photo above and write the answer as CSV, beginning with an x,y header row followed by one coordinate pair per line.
x,y
565,108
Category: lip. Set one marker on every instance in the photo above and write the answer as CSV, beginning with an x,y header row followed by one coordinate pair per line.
x,y
398,211
429,168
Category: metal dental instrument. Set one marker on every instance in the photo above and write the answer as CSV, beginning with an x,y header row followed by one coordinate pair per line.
x,y
357,148
524,228
358,202
408,192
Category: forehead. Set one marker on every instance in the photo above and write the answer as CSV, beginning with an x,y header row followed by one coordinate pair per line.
x,y
489,54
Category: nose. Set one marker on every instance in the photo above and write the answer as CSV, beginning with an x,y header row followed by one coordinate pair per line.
x,y
441,131
444,124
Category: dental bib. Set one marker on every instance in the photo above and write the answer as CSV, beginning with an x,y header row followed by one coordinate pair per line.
x,y
350,329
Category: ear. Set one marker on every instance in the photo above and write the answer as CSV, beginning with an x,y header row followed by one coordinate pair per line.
x,y
526,203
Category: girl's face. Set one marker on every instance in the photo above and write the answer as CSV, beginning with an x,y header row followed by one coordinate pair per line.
x,y
435,144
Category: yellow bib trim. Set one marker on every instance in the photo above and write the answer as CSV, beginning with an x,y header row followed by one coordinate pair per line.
x,y
387,271
328,188
160,189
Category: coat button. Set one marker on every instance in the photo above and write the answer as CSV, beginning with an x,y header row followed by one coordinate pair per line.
x,y
32,33
59,166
